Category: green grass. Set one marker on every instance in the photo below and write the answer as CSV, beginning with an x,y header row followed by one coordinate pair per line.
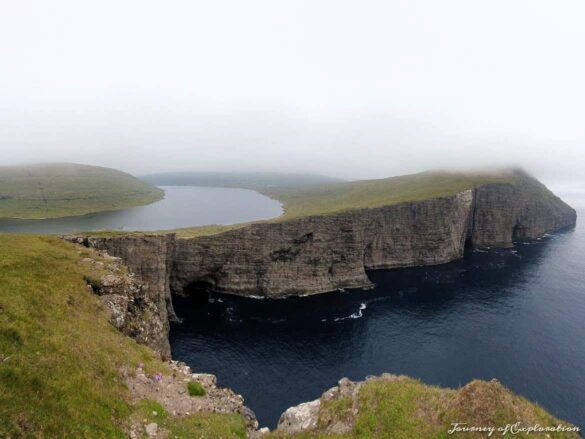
x,y
405,408
60,358
389,410
331,198
332,410
195,389
201,425
188,232
65,189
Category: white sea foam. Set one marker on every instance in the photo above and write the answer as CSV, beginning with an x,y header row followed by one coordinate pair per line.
x,y
356,315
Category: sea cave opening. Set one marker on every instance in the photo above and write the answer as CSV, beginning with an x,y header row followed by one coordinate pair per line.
x,y
193,294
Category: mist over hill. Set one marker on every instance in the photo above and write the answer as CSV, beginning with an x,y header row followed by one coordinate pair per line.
x,y
52,190
245,180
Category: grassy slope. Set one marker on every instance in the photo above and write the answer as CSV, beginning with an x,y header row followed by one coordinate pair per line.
x,y
409,409
60,358
64,189
324,199
338,197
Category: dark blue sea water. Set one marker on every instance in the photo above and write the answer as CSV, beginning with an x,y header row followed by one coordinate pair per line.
x,y
183,206
517,315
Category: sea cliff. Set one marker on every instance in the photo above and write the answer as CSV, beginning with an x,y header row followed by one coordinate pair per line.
x,y
321,253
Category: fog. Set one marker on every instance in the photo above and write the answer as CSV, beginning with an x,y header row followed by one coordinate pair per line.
x,y
353,89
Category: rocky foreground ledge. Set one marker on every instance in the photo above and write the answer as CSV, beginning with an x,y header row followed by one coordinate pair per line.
x,y
171,392
392,406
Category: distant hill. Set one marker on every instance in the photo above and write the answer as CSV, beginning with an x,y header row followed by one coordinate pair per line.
x,y
246,180
67,189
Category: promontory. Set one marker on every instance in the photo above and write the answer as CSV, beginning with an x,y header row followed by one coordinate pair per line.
x,y
331,235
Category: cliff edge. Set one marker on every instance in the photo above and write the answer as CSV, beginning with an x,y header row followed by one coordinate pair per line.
x,y
393,406
330,249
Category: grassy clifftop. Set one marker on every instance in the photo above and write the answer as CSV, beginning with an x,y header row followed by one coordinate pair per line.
x,y
325,199
332,198
65,189
398,407
329,198
61,359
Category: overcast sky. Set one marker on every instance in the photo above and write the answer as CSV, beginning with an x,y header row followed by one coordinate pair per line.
x,y
353,89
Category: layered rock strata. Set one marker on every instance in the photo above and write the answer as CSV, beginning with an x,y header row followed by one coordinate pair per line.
x,y
317,254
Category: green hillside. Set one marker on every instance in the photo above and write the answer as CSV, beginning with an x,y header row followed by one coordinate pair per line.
x,y
329,198
399,407
65,189
61,360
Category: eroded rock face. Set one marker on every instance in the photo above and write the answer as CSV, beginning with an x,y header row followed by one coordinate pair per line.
x,y
318,254
171,392
308,416
503,213
300,418
323,253
134,294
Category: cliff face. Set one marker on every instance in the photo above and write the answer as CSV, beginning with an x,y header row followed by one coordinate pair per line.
x,y
135,310
151,306
503,213
322,253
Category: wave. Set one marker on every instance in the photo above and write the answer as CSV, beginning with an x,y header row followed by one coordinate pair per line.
x,y
356,315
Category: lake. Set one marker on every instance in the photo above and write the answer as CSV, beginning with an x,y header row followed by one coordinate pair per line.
x,y
517,315
183,206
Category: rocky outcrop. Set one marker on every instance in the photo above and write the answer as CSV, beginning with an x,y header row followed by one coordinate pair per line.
x,y
398,406
317,254
503,213
134,309
141,305
309,416
171,392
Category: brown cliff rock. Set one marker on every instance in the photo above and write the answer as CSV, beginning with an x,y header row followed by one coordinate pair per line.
x,y
317,254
